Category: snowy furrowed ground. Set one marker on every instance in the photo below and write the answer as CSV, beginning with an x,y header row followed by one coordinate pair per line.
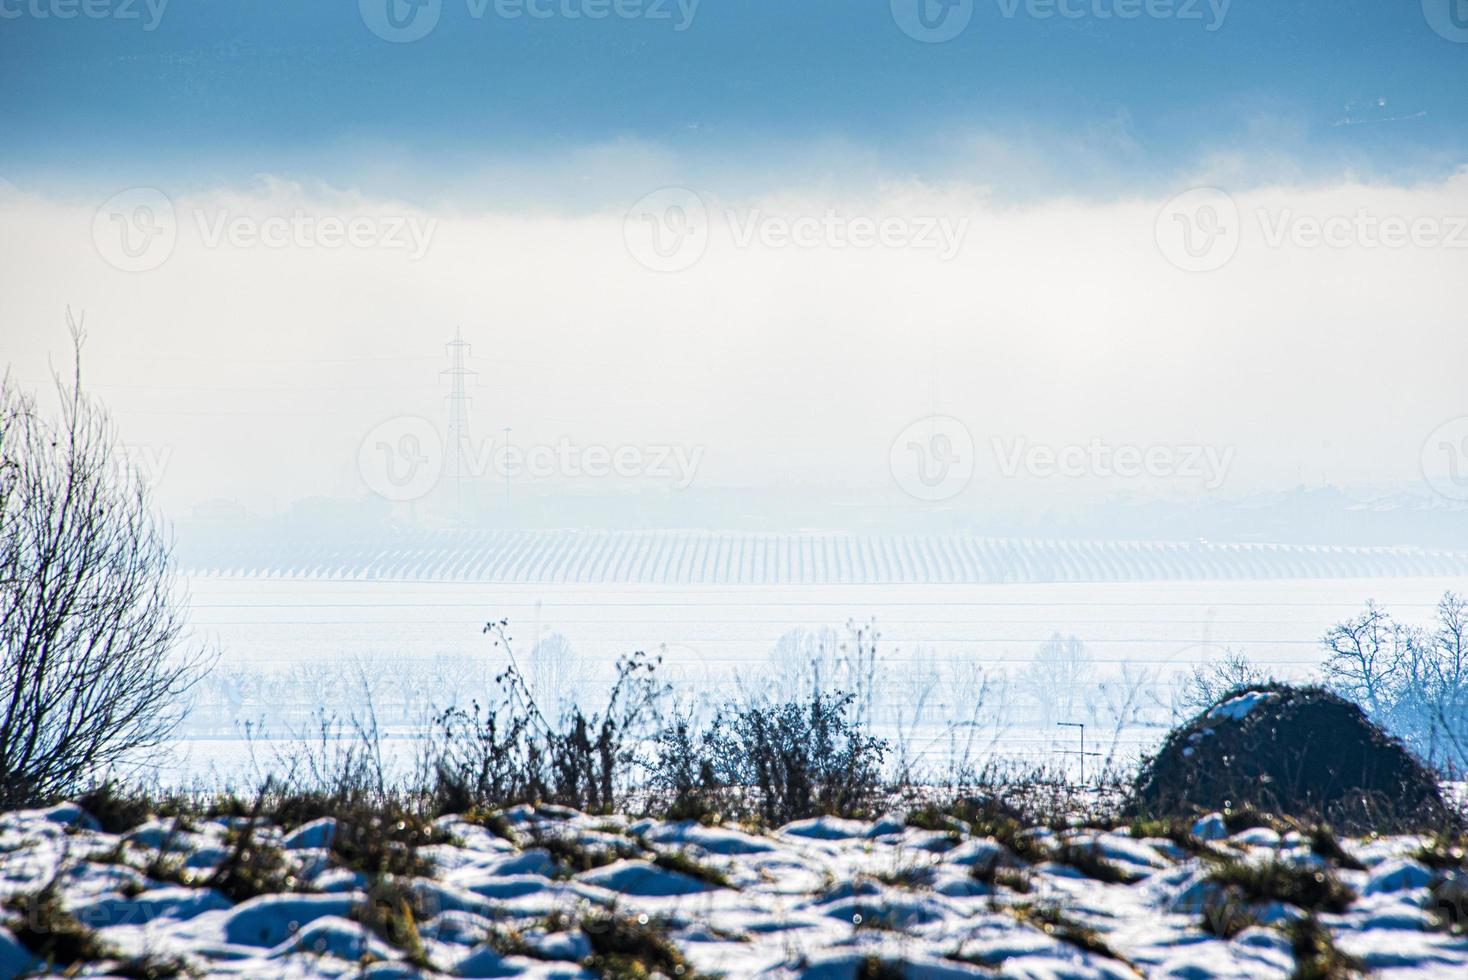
x,y
824,898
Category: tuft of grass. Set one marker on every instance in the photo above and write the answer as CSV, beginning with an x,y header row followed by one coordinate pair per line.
x,y
1177,830
493,821
116,854
115,811
1089,861
1324,843
1311,889
1226,916
1168,828
1237,819
940,819
876,968
252,867
392,911
907,876
1052,920
150,967
383,837
575,856
1316,954
1448,901
165,864
41,923
999,871
632,948
1444,852
987,817
686,864
510,942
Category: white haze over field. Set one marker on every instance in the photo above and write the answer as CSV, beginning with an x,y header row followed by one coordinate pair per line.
x,y
252,371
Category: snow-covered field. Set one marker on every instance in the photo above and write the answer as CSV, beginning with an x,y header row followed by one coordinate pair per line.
x,y
714,638
277,621
820,899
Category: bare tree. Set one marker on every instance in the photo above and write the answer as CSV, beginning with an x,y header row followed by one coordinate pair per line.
x,y
555,673
1057,676
89,633
1412,680
1212,679
1368,655
805,663
1121,702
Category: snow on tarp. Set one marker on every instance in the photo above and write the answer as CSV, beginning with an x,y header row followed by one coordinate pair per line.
x,y
1238,708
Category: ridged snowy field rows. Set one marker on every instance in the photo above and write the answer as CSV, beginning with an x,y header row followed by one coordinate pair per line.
x,y
730,558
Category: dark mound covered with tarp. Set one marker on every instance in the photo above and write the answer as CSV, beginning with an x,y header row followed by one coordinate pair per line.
x,y
1303,752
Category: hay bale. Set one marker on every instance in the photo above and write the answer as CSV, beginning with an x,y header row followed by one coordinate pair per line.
x,y
1303,752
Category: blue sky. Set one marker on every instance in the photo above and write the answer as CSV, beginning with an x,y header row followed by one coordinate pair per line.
x,y
223,90
527,152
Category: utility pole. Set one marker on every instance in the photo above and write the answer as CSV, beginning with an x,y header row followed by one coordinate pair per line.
x,y
1082,753
458,433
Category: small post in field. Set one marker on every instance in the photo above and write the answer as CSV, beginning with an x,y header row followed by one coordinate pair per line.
x,y
1082,753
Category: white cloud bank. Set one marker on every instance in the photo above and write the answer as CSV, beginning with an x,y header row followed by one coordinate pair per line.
x,y
795,334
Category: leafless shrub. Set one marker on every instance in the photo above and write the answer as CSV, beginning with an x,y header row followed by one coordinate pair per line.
x,y
510,752
1056,678
93,673
1208,682
781,762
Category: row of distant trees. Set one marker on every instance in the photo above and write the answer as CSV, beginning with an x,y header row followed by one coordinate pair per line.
x,y
98,668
